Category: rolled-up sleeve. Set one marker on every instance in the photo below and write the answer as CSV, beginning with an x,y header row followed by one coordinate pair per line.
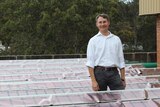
x,y
121,56
90,54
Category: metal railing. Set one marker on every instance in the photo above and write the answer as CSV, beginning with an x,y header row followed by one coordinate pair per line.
x,y
132,56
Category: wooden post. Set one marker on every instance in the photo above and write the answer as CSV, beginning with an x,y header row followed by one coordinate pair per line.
x,y
158,41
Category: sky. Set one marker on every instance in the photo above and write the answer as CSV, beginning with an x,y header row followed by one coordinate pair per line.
x,y
126,0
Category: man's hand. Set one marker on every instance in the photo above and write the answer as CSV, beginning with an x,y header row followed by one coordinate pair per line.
x,y
122,71
95,86
124,82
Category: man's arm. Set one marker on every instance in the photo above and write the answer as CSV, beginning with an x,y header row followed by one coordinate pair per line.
x,y
95,85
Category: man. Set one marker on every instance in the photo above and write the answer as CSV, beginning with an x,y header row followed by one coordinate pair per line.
x,y
105,57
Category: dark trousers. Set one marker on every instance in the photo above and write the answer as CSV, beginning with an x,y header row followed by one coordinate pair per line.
x,y
108,78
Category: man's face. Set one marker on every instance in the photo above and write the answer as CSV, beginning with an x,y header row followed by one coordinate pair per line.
x,y
102,24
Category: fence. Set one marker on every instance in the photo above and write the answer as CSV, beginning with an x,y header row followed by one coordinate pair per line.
x,y
129,57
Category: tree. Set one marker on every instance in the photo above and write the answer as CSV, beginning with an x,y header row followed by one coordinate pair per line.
x,y
58,27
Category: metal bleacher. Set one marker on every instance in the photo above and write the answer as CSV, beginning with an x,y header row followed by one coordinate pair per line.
x,y
66,83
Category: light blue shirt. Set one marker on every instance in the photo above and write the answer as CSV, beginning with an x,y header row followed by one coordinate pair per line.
x,y
105,51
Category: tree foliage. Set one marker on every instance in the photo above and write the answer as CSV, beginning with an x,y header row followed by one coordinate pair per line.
x,y
65,26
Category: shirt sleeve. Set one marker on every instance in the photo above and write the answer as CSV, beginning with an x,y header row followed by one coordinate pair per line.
x,y
121,55
90,54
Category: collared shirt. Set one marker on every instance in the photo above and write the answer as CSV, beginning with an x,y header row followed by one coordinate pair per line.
x,y
105,51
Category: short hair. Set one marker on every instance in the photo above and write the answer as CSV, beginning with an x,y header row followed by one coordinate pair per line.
x,y
105,16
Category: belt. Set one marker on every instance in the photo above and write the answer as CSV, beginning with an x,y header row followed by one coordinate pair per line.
x,y
106,68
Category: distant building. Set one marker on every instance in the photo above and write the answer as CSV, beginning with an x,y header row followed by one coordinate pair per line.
x,y
149,7
152,7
